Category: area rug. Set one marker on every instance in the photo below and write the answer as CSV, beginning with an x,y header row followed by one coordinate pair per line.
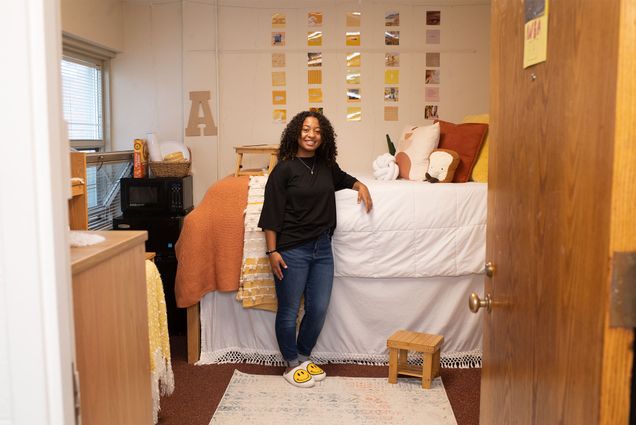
x,y
267,399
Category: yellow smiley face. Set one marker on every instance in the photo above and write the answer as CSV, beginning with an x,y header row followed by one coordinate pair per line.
x,y
301,376
313,369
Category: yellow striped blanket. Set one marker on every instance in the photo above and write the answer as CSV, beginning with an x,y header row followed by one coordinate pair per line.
x,y
256,284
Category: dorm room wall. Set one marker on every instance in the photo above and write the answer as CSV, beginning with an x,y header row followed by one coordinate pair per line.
x,y
169,49
99,21
245,29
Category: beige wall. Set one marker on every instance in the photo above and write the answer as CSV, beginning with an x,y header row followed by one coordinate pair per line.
x,y
99,21
169,49
245,72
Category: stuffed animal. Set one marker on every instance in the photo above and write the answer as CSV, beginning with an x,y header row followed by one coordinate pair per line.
x,y
413,150
442,166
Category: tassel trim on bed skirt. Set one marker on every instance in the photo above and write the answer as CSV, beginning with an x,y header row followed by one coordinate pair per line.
x,y
464,359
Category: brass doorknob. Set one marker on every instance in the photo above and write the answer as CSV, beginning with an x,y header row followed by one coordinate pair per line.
x,y
490,269
475,303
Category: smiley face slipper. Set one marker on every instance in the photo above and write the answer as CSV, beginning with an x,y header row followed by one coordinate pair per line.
x,y
299,377
317,374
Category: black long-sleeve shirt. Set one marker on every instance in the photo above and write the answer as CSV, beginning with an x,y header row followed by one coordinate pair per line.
x,y
299,206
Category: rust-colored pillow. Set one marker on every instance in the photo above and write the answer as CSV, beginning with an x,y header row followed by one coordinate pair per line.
x,y
466,140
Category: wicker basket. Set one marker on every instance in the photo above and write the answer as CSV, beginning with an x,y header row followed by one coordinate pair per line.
x,y
170,169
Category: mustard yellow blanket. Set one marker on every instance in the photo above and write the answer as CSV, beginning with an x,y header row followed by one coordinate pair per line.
x,y
160,364
256,285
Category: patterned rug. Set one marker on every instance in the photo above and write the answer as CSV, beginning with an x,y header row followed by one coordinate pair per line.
x,y
266,399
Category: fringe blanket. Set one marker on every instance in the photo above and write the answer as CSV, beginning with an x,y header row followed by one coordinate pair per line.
x,y
214,227
160,364
256,286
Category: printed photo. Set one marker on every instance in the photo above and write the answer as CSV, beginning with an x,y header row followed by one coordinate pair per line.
x,y
432,59
392,59
353,76
392,38
353,95
391,94
278,78
534,9
431,94
279,97
279,115
278,20
314,76
314,19
433,17
390,113
391,76
314,38
353,60
431,76
353,19
278,60
278,39
315,95
353,38
433,37
314,59
430,112
354,113
392,19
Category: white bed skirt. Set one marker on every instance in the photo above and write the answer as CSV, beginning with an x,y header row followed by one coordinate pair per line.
x,y
362,314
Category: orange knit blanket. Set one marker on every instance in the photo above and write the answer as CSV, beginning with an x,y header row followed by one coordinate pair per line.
x,y
210,247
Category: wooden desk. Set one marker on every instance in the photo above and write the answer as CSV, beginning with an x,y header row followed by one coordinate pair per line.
x,y
111,330
271,150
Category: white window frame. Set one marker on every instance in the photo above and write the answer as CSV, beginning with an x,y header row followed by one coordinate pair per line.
x,y
74,48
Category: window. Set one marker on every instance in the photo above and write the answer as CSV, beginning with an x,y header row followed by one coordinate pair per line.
x,y
85,93
85,96
83,102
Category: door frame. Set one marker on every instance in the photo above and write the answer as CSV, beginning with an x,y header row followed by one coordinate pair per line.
x,y
36,333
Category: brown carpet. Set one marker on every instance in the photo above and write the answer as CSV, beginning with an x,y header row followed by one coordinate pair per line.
x,y
199,389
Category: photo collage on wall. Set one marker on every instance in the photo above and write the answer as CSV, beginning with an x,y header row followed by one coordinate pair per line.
x,y
354,63
391,65
279,83
432,70
314,61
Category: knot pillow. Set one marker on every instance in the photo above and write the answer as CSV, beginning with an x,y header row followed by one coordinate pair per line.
x,y
413,150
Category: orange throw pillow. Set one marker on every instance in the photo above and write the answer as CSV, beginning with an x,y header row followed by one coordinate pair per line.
x,y
466,140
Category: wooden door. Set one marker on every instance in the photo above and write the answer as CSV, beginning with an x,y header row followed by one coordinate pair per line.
x,y
561,201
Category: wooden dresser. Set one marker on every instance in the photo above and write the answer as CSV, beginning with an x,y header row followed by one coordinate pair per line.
x,y
111,330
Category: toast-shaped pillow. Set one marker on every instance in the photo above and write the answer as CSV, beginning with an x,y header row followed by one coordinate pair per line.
x,y
442,166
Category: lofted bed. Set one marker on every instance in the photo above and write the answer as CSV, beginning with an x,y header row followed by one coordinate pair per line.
x,y
412,263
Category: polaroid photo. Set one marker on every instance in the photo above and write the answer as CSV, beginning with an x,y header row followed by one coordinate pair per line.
x,y
392,38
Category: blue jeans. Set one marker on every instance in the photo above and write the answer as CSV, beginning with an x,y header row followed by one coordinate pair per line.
x,y
309,272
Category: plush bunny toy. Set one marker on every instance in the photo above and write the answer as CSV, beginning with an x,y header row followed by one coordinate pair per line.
x,y
442,166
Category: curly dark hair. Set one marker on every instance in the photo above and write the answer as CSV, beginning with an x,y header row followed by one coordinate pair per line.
x,y
291,134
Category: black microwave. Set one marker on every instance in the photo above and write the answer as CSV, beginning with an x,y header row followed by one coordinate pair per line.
x,y
156,196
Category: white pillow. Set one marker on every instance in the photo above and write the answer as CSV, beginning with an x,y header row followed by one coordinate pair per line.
x,y
413,150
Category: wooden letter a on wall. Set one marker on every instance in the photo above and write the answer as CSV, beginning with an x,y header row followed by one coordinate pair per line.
x,y
200,99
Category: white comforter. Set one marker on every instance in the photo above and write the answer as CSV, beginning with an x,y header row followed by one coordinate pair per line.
x,y
416,229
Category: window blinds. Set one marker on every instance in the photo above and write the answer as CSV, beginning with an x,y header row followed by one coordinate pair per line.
x,y
82,97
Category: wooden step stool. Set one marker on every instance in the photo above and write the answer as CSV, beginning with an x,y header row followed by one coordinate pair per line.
x,y
401,342
271,150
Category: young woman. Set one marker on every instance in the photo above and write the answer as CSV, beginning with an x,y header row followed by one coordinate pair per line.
x,y
299,218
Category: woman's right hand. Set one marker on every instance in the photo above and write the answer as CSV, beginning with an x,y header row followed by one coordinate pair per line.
x,y
278,264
